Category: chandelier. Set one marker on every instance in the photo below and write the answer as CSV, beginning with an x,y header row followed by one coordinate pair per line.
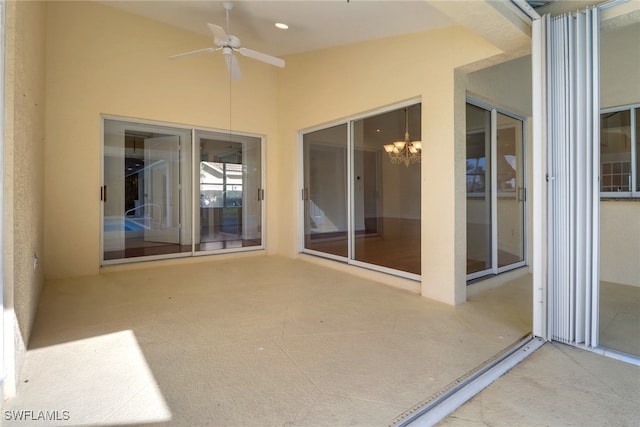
x,y
404,152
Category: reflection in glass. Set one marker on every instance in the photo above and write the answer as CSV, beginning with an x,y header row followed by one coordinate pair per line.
x,y
619,298
325,191
479,251
510,205
229,182
380,216
144,214
386,196
615,151
495,186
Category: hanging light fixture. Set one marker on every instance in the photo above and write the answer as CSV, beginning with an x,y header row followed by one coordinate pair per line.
x,y
405,152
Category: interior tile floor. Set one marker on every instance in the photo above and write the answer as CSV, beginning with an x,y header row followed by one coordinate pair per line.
x,y
269,341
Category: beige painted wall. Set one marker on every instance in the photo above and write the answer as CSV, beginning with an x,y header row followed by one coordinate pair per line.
x,y
104,61
23,175
327,85
507,85
620,242
620,66
94,69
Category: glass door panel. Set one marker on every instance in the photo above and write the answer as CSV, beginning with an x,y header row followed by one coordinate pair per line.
x,y
230,191
144,213
510,189
479,224
361,202
325,191
615,152
495,192
386,196
618,310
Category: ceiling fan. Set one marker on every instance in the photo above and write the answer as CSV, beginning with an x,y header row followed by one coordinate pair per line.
x,y
228,44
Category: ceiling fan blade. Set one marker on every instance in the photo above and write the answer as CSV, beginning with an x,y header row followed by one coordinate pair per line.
x,y
219,33
233,66
261,57
195,52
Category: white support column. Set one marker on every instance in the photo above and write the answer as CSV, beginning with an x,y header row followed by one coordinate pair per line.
x,y
443,189
539,193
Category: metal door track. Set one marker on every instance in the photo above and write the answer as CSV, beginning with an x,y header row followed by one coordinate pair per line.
x,y
438,406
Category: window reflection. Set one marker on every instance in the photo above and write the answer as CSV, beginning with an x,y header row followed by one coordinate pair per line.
x,y
143,207
495,210
479,251
615,151
386,195
325,191
230,213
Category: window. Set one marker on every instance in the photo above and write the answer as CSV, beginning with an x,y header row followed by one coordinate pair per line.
x,y
620,152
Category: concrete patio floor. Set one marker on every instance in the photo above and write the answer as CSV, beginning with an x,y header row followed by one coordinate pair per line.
x,y
269,341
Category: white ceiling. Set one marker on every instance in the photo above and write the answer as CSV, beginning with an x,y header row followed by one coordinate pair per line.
x,y
312,24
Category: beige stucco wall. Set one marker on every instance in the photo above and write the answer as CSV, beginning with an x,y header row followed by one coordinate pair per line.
x,y
104,61
324,86
23,174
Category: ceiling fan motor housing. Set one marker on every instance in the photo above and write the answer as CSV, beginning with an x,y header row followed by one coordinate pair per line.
x,y
231,41
234,41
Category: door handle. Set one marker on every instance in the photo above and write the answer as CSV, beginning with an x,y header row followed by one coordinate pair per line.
x,y
522,194
103,193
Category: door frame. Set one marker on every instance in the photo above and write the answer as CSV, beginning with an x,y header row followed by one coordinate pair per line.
x,y
173,171
495,269
242,139
191,188
349,121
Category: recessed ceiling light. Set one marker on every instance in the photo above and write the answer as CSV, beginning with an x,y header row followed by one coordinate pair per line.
x,y
282,26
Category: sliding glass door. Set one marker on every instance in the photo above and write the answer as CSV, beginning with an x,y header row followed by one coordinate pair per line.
x,y
324,191
161,200
144,171
358,205
479,192
230,208
386,196
495,192
618,302
509,191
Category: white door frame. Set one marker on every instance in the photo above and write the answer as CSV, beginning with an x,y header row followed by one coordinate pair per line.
x,y
493,198
6,325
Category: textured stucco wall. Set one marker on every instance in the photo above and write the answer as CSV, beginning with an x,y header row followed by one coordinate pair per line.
x,y
23,163
101,60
